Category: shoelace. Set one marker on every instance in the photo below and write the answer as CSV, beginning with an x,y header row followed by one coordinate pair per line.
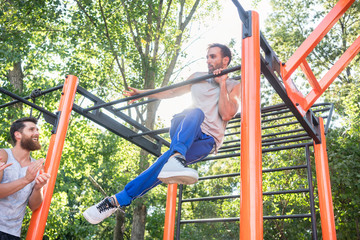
x,y
181,160
105,205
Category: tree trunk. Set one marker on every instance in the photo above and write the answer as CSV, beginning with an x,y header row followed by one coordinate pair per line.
x,y
139,219
120,226
16,79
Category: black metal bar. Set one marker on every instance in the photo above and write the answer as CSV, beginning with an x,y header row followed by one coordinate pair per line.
x,y
264,171
230,150
236,219
269,142
272,108
52,117
277,118
268,114
230,141
286,192
280,125
291,140
153,91
28,97
284,147
219,176
282,133
287,141
210,198
287,216
236,147
220,157
121,115
210,220
119,129
283,168
178,221
230,134
136,104
311,193
242,13
149,133
285,137
329,117
231,146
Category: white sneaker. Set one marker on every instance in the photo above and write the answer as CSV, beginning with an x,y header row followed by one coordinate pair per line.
x,y
175,171
100,211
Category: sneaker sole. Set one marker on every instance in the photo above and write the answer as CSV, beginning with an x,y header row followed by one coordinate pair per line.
x,y
89,219
179,178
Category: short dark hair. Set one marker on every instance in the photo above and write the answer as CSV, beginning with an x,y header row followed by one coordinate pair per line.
x,y
19,125
225,51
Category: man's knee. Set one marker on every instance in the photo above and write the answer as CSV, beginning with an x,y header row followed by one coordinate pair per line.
x,y
198,113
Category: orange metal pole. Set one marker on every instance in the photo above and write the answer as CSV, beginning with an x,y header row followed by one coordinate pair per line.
x,y
170,213
251,208
310,76
324,187
315,37
39,217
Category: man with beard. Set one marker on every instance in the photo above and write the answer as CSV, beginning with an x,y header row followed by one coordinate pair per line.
x,y
194,133
21,177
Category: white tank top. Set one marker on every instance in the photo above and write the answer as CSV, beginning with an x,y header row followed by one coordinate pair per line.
x,y
12,208
205,95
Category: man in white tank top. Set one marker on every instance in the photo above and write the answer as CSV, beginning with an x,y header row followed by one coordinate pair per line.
x,y
194,133
21,177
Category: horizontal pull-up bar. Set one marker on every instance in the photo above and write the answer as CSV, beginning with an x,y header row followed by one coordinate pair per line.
x,y
28,97
153,91
20,99
136,104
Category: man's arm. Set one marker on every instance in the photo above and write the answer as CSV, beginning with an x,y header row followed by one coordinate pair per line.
x,y
37,195
228,102
161,95
6,189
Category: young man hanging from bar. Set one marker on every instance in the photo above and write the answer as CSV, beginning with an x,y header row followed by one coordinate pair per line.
x,y
195,133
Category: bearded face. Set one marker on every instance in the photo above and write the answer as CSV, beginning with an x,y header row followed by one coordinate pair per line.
x,y
215,60
30,143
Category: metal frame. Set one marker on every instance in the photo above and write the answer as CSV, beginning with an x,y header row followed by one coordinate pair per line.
x,y
277,112
252,146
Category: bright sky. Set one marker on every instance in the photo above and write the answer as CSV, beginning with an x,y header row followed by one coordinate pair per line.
x,y
218,31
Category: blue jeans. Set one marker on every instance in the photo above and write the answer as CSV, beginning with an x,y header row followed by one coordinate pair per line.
x,y
186,138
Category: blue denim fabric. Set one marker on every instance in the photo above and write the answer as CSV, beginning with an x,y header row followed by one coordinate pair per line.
x,y
186,138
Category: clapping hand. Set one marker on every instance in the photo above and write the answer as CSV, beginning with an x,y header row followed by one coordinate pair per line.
x,y
4,165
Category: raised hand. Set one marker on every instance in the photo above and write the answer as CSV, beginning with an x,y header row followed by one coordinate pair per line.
x,y
41,180
33,169
133,92
221,78
4,165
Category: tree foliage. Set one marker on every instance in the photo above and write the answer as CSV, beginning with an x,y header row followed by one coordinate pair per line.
x,y
109,46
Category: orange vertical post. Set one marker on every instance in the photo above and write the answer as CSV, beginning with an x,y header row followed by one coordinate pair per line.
x,y
251,208
39,217
324,187
170,213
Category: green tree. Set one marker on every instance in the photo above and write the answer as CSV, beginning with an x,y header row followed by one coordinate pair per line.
x,y
108,45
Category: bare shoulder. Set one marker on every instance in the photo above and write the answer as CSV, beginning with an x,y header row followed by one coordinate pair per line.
x,y
3,155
